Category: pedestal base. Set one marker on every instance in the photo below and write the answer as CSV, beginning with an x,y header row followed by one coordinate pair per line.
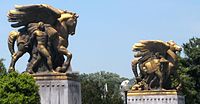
x,y
155,97
59,88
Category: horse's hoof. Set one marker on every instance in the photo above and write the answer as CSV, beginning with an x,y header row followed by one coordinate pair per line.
x,y
178,88
138,79
163,89
64,69
30,71
53,71
58,69
11,69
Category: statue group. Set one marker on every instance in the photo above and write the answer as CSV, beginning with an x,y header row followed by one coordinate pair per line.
x,y
157,62
43,32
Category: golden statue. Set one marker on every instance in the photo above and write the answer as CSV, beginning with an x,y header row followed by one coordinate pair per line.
x,y
156,60
43,33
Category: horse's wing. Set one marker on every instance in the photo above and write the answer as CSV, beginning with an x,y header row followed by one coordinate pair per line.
x,y
25,14
153,46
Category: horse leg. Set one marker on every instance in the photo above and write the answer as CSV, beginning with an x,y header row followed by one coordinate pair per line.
x,y
170,67
134,69
175,74
150,84
159,74
15,57
63,50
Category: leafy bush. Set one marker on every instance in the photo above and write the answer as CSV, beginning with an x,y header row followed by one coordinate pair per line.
x,y
18,88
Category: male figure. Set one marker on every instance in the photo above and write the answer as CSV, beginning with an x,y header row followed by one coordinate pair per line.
x,y
38,33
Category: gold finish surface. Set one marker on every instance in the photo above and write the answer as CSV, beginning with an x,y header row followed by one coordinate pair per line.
x,y
152,92
43,32
154,63
56,76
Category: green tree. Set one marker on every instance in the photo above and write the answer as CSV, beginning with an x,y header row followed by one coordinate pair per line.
x,y
189,69
2,68
101,88
17,88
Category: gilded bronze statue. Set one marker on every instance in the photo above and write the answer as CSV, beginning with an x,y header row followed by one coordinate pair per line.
x,y
157,61
43,32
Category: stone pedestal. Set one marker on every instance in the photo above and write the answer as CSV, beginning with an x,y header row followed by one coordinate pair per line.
x,y
59,88
155,97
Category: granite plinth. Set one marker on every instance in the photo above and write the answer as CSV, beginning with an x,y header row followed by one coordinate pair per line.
x,y
155,97
59,88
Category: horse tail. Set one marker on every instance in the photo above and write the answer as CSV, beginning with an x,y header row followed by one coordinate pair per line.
x,y
11,41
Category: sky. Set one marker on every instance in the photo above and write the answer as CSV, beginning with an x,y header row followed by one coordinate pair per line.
x,y
107,29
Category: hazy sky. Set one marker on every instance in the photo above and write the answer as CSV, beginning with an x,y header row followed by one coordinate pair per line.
x,y
107,29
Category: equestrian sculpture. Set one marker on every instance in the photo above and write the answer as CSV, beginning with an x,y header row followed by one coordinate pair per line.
x,y
43,32
157,61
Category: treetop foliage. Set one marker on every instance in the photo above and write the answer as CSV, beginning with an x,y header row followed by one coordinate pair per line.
x,y
189,69
2,67
17,88
101,88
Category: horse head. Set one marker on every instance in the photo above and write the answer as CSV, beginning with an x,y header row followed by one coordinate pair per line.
x,y
69,21
174,47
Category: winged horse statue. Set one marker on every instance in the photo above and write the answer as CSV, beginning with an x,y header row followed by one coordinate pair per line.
x,y
57,25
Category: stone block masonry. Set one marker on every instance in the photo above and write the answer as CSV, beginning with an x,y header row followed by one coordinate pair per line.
x,y
155,97
59,88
